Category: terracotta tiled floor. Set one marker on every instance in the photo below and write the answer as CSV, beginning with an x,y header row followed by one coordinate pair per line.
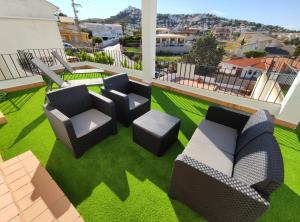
x,y
28,193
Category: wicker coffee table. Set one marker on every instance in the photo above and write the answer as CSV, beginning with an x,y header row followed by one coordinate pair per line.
x,y
156,131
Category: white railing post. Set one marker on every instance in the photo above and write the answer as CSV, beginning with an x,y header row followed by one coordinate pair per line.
x,y
289,111
149,13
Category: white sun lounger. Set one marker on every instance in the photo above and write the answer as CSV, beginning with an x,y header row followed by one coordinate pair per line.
x,y
71,70
59,81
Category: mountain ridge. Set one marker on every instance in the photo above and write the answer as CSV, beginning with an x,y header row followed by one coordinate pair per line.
x,y
132,16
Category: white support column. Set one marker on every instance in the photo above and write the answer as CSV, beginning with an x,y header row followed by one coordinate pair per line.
x,y
290,106
149,13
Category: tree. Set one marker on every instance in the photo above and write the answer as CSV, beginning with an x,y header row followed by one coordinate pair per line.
x,y
62,14
243,41
88,31
297,51
206,51
123,24
295,41
255,54
96,40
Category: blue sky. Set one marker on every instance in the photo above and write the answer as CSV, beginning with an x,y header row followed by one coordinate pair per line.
x,y
284,13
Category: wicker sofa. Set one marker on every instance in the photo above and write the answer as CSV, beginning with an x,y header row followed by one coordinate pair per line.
x,y
230,167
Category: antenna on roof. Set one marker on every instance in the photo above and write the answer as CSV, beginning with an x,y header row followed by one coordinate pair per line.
x,y
76,18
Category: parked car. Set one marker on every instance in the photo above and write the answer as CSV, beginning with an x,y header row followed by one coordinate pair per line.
x,y
70,46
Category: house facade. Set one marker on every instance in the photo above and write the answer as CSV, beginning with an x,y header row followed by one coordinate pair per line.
x,y
110,33
222,33
69,31
28,24
191,34
169,42
25,24
244,67
105,31
256,41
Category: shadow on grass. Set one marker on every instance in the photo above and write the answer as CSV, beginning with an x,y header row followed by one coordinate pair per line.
x,y
108,162
298,132
27,129
285,206
16,100
187,126
288,138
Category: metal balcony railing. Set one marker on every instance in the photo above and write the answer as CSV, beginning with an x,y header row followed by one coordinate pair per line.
x,y
271,85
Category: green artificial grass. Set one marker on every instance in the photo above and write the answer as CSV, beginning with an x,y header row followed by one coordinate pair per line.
x,y
117,180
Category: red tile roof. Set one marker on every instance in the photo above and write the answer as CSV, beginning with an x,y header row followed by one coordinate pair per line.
x,y
259,63
279,64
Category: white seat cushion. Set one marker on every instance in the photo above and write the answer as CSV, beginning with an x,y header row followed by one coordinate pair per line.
x,y
136,100
87,82
86,122
86,71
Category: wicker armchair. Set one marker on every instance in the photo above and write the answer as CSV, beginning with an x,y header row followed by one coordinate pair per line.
x,y
132,98
79,118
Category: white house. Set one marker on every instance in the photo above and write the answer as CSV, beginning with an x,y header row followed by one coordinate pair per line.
x,y
169,42
28,24
244,67
162,31
222,33
256,41
25,24
104,30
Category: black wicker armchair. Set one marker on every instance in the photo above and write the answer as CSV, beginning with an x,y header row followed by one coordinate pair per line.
x,y
230,167
132,99
79,118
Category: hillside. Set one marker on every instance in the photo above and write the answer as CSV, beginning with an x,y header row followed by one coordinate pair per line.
x,y
132,16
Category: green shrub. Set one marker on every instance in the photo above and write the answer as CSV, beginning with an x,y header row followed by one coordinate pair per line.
x,y
102,57
125,64
96,40
98,57
137,65
255,54
131,41
84,56
69,52
297,51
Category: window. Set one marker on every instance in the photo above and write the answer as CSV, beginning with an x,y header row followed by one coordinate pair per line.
x,y
180,41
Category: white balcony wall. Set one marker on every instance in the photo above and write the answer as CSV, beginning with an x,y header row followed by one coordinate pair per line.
x,y
267,90
290,106
237,100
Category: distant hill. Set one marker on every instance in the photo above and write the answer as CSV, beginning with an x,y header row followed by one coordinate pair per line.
x,y
132,16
